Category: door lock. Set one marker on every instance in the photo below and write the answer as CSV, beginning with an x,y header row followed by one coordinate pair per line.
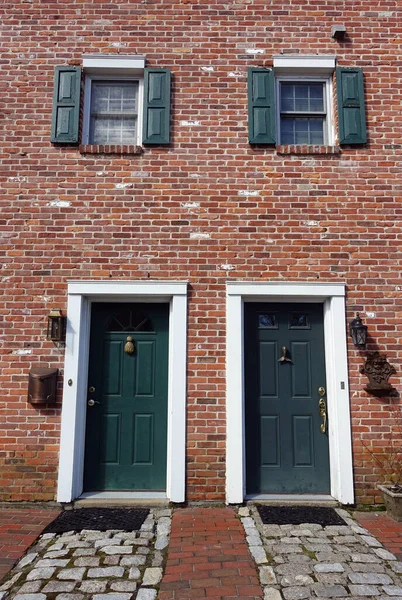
x,y
92,402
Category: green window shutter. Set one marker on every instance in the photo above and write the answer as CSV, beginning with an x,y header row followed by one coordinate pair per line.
x,y
261,106
351,112
66,105
156,106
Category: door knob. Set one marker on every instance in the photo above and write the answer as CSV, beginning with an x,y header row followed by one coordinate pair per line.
x,y
92,402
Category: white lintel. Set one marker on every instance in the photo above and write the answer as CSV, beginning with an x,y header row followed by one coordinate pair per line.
x,y
306,65
113,64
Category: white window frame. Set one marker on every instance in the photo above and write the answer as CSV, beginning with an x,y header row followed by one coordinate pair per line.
x,y
89,79
295,77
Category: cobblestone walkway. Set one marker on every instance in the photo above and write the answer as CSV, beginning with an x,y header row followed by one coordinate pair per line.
x,y
111,565
310,561
214,554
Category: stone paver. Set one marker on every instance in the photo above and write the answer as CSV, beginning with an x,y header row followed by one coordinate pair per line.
x,y
113,565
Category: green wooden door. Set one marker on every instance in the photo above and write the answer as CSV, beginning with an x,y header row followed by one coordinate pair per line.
x,y
286,451
126,428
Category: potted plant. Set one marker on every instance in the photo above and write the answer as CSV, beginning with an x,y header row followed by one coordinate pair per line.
x,y
388,457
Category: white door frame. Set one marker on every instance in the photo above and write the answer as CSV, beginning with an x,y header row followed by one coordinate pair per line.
x,y
339,422
81,294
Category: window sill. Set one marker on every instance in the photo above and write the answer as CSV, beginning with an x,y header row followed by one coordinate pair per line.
x,y
308,149
109,149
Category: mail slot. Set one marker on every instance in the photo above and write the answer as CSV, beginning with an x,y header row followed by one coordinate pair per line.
x,y
42,386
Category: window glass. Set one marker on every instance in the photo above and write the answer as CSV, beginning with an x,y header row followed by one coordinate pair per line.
x,y
114,112
302,113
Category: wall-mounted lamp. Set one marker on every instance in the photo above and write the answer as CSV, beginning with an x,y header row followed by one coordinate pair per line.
x,y
338,32
56,326
358,332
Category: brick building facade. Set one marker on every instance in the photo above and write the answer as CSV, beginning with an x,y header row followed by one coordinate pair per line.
x,y
261,210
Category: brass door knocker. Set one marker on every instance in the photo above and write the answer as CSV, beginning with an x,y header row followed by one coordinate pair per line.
x,y
284,357
129,346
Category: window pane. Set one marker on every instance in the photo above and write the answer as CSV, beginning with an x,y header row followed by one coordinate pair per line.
x,y
302,97
287,131
113,130
114,97
302,130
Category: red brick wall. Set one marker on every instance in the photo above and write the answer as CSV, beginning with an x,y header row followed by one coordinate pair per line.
x,y
332,218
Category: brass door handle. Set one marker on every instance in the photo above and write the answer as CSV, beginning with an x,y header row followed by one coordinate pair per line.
x,y
322,407
92,402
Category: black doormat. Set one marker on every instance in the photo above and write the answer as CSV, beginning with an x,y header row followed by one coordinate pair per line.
x,y
98,519
296,515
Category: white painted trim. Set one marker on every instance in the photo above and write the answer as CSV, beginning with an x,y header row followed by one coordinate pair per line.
x,y
320,65
340,440
80,296
116,64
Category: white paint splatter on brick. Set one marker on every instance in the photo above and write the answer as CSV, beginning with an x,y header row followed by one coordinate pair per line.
x,y
371,315
140,174
236,74
199,235
119,44
101,173
189,123
227,267
190,204
59,203
310,223
123,186
254,51
21,352
207,69
18,179
248,193
195,175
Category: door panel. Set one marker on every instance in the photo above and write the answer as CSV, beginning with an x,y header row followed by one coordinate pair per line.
x,y
284,367
126,428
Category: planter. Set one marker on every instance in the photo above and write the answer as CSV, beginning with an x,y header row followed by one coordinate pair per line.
x,y
392,501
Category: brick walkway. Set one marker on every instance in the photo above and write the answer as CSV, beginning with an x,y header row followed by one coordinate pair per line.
x,y
209,558
386,530
19,528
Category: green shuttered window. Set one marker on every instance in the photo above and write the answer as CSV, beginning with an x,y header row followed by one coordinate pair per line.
x,y
351,110
156,106
314,130
111,107
66,105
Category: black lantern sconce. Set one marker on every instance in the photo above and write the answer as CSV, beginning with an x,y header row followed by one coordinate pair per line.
x,y
358,332
56,326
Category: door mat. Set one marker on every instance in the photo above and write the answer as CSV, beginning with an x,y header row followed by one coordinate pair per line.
x,y
98,519
296,515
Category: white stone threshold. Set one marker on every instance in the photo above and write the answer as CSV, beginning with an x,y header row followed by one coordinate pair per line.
x,y
284,498
123,496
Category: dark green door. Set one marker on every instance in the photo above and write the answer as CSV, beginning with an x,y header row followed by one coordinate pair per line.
x,y
286,449
126,428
